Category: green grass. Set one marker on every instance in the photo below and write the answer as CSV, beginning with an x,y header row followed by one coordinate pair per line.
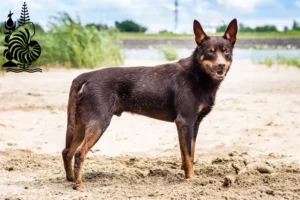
x,y
268,62
290,34
169,52
281,60
2,61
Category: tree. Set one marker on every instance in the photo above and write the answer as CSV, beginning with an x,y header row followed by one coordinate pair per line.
x,y
261,29
266,28
222,28
129,26
295,26
165,31
244,28
286,28
99,27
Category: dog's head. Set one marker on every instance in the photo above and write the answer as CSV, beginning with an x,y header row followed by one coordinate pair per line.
x,y
215,53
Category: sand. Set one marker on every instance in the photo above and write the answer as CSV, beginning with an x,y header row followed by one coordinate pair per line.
x,y
256,118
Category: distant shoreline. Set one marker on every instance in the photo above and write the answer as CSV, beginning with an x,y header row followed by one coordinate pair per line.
x,y
257,43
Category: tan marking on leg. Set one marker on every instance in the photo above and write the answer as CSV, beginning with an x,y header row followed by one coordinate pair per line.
x,y
196,128
93,134
77,140
69,175
189,173
182,159
181,145
193,150
187,164
201,58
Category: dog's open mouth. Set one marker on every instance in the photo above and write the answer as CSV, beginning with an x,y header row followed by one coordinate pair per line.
x,y
220,74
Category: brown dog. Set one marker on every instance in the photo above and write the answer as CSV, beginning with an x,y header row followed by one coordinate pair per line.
x,y
183,92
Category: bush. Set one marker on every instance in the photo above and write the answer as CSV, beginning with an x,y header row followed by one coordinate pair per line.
x,y
294,61
71,44
281,60
267,61
169,52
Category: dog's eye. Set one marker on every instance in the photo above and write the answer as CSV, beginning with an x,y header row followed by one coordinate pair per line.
x,y
226,51
211,51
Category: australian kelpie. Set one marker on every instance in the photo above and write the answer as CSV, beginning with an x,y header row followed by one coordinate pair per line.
x,y
182,92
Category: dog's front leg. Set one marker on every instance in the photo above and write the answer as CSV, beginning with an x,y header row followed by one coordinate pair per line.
x,y
196,127
185,135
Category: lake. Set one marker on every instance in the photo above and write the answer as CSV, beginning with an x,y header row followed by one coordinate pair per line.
x,y
239,54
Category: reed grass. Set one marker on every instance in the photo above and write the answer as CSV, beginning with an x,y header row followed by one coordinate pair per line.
x,y
73,45
281,60
169,53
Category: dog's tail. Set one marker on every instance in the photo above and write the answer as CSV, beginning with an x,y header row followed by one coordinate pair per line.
x,y
72,104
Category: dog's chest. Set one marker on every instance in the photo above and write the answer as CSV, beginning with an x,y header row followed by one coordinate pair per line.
x,y
204,107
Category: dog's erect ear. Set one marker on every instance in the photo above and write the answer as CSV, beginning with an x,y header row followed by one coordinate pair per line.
x,y
199,33
230,33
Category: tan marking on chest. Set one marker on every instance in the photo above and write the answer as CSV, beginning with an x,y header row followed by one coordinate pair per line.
x,y
200,108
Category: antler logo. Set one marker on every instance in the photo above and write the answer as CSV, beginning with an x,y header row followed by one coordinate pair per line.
x,y
21,50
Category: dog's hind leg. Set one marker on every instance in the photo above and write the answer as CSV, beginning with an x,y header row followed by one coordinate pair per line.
x,y
71,147
67,162
93,132
75,130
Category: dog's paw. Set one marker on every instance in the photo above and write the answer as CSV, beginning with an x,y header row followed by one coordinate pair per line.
x,y
188,174
190,179
70,178
78,186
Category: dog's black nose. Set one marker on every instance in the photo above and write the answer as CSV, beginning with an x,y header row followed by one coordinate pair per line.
x,y
221,65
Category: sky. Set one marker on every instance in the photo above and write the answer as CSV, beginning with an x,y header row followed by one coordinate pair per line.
x,y
158,15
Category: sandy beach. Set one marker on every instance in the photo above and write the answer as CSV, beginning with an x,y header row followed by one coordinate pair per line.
x,y
256,118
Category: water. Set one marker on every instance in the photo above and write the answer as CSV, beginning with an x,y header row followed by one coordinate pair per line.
x,y
239,54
